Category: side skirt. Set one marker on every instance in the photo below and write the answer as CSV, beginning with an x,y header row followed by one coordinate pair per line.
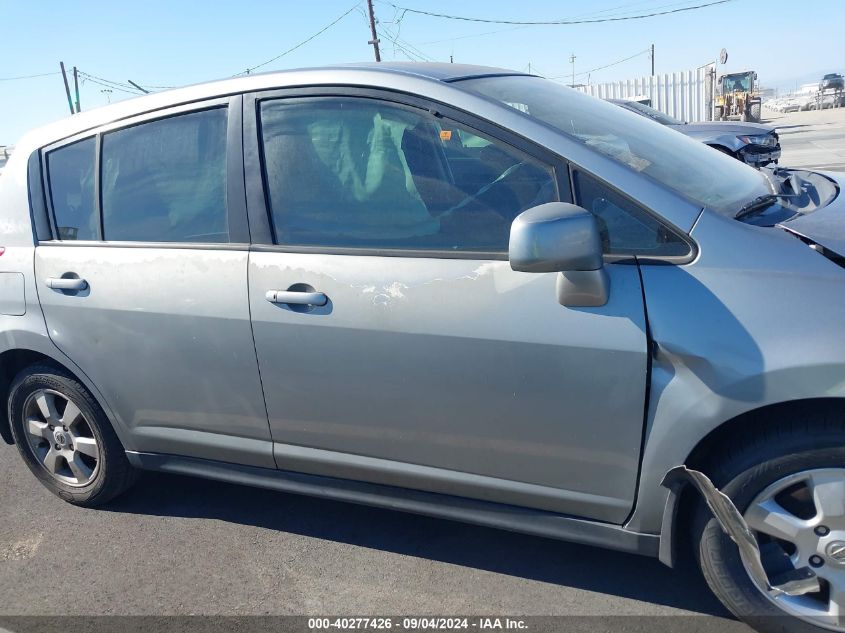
x,y
505,517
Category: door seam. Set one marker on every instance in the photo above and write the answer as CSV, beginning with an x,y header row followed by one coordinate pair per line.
x,y
255,352
651,350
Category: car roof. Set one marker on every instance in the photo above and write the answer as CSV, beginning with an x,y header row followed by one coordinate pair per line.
x,y
372,74
440,71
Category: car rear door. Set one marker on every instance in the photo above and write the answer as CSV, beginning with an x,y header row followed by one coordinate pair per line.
x,y
395,343
144,284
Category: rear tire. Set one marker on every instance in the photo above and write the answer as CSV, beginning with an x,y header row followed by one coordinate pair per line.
x,y
749,468
65,438
755,112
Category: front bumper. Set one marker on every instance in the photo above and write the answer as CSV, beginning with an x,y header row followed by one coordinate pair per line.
x,y
759,155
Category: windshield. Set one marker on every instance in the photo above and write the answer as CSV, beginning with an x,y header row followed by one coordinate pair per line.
x,y
697,172
650,112
733,83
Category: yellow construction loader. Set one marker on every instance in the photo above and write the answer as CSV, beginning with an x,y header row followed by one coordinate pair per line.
x,y
737,98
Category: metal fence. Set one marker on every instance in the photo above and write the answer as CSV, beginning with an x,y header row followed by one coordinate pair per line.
x,y
686,95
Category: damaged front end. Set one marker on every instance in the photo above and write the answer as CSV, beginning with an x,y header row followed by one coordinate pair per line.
x,y
794,582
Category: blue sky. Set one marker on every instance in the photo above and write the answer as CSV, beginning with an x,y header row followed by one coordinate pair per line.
x,y
176,42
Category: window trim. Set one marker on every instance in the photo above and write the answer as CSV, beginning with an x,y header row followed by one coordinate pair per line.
x,y
236,215
98,189
258,206
640,258
38,211
48,185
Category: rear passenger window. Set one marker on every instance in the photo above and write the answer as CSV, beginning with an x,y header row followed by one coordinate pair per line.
x,y
70,171
165,181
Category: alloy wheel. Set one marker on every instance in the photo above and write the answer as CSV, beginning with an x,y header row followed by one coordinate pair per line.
x,y
61,438
800,522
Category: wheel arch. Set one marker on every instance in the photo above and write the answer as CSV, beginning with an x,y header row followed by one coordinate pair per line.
x,y
12,362
815,410
16,359
680,505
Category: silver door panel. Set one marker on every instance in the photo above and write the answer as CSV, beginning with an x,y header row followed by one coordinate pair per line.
x,y
165,335
460,365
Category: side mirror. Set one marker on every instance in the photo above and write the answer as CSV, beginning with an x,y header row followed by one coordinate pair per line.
x,y
563,238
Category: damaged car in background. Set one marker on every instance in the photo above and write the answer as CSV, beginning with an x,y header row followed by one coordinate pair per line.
x,y
752,143
452,290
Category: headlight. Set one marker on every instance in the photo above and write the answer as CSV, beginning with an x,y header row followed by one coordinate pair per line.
x,y
766,140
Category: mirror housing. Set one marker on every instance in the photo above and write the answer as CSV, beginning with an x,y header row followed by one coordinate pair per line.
x,y
563,238
555,237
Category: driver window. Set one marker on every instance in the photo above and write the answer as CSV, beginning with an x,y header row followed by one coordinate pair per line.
x,y
359,173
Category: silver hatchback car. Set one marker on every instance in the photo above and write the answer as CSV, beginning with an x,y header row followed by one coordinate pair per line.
x,y
452,290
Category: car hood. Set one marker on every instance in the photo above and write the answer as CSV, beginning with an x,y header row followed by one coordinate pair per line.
x,y
825,225
724,127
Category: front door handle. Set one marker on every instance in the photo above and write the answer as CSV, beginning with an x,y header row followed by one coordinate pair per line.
x,y
293,297
65,283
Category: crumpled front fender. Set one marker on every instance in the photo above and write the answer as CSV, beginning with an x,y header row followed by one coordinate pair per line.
x,y
796,582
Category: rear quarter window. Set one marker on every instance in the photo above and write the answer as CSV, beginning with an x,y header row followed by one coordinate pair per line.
x,y
70,172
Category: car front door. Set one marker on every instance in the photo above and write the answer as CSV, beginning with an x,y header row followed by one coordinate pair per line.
x,y
144,285
395,343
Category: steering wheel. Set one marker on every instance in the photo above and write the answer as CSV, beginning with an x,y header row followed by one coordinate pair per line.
x,y
472,197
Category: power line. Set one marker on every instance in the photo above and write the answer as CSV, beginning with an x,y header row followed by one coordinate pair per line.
x,y
592,70
106,83
411,52
554,22
471,35
30,76
302,43
627,6
627,12
525,26
407,49
136,90
117,84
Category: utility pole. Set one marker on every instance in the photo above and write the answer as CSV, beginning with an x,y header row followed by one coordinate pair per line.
x,y
107,92
67,88
144,90
375,40
652,60
76,89
572,61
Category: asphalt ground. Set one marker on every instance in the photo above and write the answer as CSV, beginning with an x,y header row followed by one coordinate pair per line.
x,y
180,546
813,139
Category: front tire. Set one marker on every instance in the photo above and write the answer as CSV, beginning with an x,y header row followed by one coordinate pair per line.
x,y
789,483
65,438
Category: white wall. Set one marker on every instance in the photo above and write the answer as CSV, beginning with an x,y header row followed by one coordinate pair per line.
x,y
685,95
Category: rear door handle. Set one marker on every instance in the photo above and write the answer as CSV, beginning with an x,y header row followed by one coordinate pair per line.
x,y
296,298
63,283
